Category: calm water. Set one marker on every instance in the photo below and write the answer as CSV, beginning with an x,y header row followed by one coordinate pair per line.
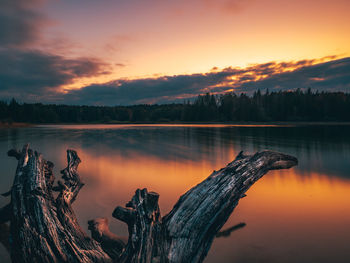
x,y
297,215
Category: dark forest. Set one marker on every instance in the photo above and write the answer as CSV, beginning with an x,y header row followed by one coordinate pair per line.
x,y
268,106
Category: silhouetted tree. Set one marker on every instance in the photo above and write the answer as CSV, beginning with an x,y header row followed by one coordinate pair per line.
x,y
295,105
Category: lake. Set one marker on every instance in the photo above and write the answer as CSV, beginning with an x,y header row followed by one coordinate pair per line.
x,y
296,215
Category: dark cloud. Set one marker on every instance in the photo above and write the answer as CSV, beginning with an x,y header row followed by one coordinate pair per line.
x,y
37,73
150,90
327,76
333,75
31,74
20,22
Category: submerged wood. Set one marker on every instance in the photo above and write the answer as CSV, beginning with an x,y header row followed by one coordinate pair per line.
x,y
227,232
44,228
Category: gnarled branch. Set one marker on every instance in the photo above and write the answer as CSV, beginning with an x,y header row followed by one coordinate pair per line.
x,y
187,232
45,229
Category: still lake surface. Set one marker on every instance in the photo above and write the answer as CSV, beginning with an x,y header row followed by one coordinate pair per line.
x,y
297,215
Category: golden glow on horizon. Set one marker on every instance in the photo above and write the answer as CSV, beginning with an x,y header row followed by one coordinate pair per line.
x,y
143,39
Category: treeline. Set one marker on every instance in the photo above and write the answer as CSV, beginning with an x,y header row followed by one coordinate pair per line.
x,y
230,107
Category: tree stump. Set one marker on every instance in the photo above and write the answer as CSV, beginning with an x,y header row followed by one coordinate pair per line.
x,y
45,229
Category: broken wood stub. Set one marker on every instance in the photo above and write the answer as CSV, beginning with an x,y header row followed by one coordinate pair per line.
x,y
44,228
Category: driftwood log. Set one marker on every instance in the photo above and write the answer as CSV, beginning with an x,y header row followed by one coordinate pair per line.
x,y
40,226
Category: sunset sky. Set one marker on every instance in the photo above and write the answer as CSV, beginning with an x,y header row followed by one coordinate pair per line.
x,y
119,52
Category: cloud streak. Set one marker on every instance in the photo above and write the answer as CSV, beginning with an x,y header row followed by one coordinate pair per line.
x,y
37,77
324,76
35,74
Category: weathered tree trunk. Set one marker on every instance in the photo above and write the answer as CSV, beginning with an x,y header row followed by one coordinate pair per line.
x,y
45,229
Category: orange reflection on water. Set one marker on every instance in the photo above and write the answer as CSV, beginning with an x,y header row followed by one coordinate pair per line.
x,y
309,193
287,190
295,217
115,178
288,213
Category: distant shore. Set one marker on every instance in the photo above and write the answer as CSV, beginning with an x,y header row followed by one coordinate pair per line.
x,y
243,124
15,125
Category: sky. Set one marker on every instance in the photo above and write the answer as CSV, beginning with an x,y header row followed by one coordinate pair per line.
x,y
122,52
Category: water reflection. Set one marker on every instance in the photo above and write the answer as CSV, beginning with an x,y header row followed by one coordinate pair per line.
x,y
299,215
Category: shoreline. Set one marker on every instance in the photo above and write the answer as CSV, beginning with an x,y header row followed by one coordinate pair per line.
x,y
238,124
4,125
